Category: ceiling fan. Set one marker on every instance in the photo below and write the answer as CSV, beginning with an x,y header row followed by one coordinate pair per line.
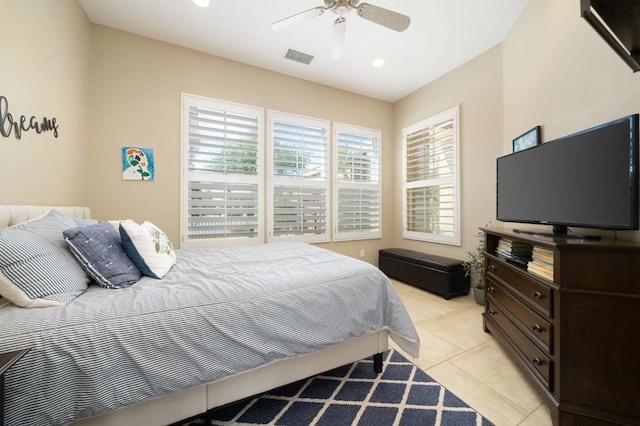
x,y
386,18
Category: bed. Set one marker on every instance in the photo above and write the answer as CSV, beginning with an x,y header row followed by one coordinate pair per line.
x,y
222,325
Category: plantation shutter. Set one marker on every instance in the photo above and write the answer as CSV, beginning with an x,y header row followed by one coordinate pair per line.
x,y
219,210
223,174
299,179
357,200
430,179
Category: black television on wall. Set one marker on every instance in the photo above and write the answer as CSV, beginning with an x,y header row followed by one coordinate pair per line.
x,y
588,179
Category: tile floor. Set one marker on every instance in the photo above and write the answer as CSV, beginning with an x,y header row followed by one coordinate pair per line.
x,y
457,352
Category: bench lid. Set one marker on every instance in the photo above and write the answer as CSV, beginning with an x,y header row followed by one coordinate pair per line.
x,y
434,261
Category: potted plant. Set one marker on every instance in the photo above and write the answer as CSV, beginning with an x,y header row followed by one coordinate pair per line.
x,y
474,268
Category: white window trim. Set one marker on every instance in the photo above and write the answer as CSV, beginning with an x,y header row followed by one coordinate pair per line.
x,y
188,100
357,235
428,122
273,180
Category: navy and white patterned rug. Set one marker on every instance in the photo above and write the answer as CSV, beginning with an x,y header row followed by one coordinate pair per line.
x,y
353,394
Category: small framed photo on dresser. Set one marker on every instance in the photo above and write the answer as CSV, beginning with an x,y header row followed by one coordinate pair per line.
x,y
527,140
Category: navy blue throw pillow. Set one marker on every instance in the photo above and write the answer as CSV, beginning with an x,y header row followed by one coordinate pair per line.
x,y
97,248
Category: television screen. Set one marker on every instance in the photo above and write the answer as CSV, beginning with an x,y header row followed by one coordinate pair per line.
x,y
588,179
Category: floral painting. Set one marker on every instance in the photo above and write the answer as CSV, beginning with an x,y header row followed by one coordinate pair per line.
x,y
137,163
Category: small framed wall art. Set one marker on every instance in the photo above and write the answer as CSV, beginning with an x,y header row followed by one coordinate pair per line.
x,y
527,140
137,163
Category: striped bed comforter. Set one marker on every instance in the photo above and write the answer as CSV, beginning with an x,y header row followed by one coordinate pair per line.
x,y
218,312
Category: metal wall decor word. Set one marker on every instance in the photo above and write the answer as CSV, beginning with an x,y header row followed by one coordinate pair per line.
x,y
23,124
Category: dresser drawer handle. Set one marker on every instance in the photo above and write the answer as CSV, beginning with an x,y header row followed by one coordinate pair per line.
x,y
536,295
536,327
536,361
492,267
491,289
491,312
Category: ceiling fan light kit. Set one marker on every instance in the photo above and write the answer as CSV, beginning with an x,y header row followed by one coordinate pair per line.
x,y
201,3
338,37
378,15
340,6
378,62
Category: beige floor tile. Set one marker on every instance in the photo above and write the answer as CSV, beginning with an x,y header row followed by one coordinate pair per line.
x,y
434,349
485,400
463,327
416,299
400,286
540,417
416,310
490,365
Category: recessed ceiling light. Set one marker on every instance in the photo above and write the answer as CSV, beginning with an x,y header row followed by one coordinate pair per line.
x,y
378,62
201,3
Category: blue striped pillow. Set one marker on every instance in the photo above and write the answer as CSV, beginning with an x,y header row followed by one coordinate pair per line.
x,y
36,267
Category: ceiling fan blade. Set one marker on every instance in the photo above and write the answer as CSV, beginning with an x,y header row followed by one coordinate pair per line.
x,y
297,18
337,39
386,18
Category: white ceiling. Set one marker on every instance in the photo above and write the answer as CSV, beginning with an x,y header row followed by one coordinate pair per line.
x,y
443,35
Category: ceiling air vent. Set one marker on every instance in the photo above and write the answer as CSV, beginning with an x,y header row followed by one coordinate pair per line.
x,y
294,55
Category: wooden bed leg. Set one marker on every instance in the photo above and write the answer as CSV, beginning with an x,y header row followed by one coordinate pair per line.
x,y
377,363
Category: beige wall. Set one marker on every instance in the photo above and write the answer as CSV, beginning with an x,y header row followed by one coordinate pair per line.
x,y
109,89
477,87
136,95
45,54
559,73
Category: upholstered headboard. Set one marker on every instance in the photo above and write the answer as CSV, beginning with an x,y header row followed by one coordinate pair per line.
x,y
12,215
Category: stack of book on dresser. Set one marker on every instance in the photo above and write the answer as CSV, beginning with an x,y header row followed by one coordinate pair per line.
x,y
514,250
542,263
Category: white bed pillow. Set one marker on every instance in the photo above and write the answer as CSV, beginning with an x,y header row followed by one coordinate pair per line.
x,y
115,224
36,267
12,293
148,247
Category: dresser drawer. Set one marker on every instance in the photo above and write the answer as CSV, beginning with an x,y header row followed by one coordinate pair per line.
x,y
524,318
531,356
531,290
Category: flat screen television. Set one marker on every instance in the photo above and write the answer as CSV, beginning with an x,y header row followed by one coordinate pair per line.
x,y
588,179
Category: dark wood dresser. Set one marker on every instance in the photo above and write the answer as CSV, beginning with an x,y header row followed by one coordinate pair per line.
x,y
576,333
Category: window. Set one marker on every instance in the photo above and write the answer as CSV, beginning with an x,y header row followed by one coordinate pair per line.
x,y
224,183
299,183
431,179
357,193
222,172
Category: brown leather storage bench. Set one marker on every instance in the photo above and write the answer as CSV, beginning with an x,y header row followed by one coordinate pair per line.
x,y
438,274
